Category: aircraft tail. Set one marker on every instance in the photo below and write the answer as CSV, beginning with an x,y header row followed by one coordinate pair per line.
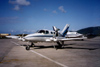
x,y
65,30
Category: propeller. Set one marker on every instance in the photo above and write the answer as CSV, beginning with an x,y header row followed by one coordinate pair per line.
x,y
22,37
56,31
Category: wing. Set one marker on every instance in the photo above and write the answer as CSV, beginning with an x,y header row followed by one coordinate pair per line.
x,y
13,37
68,39
16,37
64,39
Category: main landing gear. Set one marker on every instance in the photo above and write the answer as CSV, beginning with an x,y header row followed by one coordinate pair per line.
x,y
28,46
60,45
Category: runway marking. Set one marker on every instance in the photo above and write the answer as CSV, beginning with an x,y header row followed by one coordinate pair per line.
x,y
42,56
15,43
48,58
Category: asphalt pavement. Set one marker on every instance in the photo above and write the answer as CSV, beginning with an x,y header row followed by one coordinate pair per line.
x,y
73,54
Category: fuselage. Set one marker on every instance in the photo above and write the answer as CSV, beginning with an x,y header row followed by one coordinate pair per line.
x,y
46,35
40,36
73,35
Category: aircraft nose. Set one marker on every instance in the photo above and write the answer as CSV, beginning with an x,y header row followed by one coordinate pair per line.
x,y
22,39
25,38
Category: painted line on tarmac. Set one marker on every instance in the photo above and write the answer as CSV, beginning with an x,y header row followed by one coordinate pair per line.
x,y
15,43
42,55
48,58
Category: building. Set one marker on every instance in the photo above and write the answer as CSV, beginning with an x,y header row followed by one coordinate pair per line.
x,y
2,35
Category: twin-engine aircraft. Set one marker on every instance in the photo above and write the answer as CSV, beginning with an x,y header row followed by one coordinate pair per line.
x,y
48,36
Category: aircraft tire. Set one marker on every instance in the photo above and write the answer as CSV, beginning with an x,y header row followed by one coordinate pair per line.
x,y
27,47
82,39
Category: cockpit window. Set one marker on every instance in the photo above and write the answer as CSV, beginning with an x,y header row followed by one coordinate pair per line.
x,y
41,31
47,32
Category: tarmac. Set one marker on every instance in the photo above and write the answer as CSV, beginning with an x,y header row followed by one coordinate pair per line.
x,y
73,54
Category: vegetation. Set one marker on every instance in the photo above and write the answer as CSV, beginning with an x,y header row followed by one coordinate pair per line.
x,y
21,35
90,31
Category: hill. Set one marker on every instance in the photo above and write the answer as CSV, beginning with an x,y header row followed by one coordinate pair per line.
x,y
90,31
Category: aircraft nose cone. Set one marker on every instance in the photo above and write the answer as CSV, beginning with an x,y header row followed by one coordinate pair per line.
x,y
22,39
25,38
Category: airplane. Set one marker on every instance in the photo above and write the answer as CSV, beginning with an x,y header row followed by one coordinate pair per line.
x,y
74,35
48,36
13,37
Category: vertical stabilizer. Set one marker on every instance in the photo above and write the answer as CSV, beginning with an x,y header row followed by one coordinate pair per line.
x,y
65,30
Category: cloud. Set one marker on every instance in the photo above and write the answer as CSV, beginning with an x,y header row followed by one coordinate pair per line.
x,y
28,31
17,7
4,20
8,18
23,2
12,31
62,9
19,3
45,9
54,11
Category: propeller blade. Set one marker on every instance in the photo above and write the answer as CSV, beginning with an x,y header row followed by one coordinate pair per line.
x,y
56,31
55,28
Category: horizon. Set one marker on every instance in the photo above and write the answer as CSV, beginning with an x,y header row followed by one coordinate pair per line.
x,y
16,33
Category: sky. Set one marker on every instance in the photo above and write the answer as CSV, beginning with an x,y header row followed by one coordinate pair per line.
x,y
28,16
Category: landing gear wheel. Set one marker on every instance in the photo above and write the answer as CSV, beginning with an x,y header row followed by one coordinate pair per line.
x,y
27,47
32,45
60,47
60,44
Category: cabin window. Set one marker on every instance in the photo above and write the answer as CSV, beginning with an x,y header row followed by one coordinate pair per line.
x,y
51,32
47,32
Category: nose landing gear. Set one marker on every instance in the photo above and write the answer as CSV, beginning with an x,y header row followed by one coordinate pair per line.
x,y
28,46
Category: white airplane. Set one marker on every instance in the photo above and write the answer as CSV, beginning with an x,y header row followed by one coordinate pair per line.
x,y
48,36
13,37
74,35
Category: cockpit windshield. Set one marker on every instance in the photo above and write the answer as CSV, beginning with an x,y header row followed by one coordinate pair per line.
x,y
43,31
